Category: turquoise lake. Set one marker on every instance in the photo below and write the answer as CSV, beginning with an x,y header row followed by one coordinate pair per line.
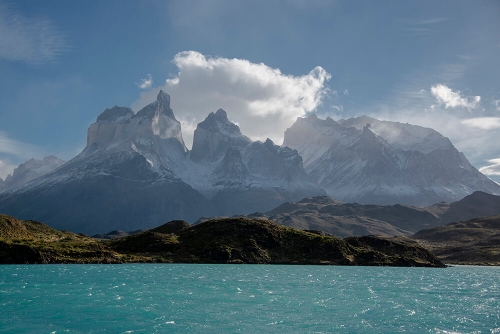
x,y
166,298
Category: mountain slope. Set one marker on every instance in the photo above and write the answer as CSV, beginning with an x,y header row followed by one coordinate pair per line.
x,y
136,172
124,179
30,170
369,161
353,219
476,241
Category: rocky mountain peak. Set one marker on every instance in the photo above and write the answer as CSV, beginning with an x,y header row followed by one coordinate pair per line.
x,y
115,114
214,136
160,107
269,144
221,114
152,132
163,98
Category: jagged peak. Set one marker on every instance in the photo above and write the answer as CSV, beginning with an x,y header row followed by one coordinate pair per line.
x,y
163,98
221,114
219,121
269,142
161,106
313,119
115,114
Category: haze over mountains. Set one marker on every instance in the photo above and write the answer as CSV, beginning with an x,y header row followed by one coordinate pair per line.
x,y
30,170
137,173
368,161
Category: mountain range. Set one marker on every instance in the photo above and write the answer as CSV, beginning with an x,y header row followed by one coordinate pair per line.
x,y
353,219
368,161
136,171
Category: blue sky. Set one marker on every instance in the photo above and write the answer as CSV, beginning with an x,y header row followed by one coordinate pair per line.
x,y
429,63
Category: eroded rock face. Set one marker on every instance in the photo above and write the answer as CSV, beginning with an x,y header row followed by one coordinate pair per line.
x,y
154,127
214,136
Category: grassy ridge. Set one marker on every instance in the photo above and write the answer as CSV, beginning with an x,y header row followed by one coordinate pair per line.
x,y
231,240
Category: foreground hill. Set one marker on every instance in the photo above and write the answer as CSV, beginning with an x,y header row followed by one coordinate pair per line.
x,y
353,219
476,241
238,240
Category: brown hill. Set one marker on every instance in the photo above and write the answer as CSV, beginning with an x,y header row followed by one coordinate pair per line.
x,y
476,241
351,219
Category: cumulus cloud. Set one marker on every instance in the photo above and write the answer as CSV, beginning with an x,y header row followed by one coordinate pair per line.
x,y
449,98
485,123
492,169
145,83
34,40
261,99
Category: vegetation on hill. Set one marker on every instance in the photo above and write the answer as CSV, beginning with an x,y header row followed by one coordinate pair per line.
x,y
476,241
229,240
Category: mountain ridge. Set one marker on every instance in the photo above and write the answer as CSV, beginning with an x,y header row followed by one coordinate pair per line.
x,y
369,161
136,170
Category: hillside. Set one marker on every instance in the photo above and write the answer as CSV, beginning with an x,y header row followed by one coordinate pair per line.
x,y
354,219
476,241
237,240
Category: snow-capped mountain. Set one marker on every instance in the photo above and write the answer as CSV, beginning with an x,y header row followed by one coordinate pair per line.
x,y
239,175
30,170
125,178
136,173
369,161
214,136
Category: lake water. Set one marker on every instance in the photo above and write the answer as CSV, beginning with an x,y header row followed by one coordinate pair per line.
x,y
150,298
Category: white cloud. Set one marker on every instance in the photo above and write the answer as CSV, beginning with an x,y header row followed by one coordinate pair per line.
x,y
145,83
346,92
17,148
449,98
485,123
492,169
261,99
497,104
34,40
6,168
432,21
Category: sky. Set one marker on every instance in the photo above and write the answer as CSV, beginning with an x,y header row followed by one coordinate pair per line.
x,y
429,63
